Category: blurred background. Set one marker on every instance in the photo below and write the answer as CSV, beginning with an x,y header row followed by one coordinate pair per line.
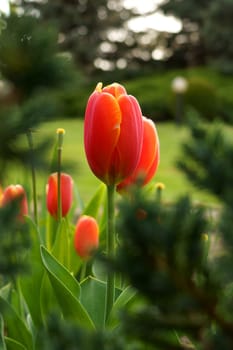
x,y
175,56
125,40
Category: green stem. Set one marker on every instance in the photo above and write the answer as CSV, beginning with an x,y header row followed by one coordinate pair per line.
x,y
110,247
83,271
60,133
33,172
59,203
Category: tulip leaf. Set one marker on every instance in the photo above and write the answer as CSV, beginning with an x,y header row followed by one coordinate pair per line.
x,y
55,268
16,328
93,206
93,292
99,270
48,302
13,344
2,340
30,284
63,249
127,295
75,261
66,290
60,248
93,299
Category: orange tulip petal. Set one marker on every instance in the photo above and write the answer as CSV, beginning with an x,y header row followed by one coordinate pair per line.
x,y
129,145
51,197
153,168
86,236
66,193
13,192
115,89
149,158
149,150
101,131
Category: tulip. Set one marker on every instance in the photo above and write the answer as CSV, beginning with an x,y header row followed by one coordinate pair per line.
x,y
149,159
86,237
16,192
66,194
113,133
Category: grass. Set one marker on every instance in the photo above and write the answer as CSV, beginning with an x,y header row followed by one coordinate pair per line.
x,y
171,138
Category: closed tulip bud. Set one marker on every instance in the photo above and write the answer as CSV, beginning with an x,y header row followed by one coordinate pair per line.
x,y
113,133
149,158
66,194
86,237
16,192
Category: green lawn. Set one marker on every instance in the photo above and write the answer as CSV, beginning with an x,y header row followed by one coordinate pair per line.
x,y
170,136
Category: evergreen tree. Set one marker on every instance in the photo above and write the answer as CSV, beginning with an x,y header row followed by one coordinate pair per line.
x,y
206,32
94,32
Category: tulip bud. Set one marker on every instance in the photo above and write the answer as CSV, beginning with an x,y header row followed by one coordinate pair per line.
x,y
16,192
113,133
86,237
149,158
66,194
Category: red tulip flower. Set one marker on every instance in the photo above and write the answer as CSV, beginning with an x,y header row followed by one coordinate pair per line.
x,y
149,158
66,194
86,237
16,192
113,133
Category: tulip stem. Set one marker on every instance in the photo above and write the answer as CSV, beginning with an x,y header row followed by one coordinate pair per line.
x,y
60,133
33,172
110,247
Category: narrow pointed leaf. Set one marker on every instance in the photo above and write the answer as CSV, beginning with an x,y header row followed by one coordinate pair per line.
x,y
93,294
93,206
61,246
93,298
31,283
14,345
16,328
66,289
2,340
124,298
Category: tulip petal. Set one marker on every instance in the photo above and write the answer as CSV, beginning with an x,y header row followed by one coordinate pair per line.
x,y
149,150
101,131
154,166
149,157
115,89
51,197
127,153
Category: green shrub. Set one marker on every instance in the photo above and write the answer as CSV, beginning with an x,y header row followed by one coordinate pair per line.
x,y
202,96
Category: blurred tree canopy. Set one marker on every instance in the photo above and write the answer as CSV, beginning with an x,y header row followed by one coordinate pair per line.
x,y
32,72
98,36
206,32
95,32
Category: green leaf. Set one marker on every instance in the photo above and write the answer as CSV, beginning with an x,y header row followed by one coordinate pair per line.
x,y
48,301
16,328
93,299
61,246
93,293
5,291
56,269
13,344
75,261
2,340
66,289
99,270
30,284
93,206
127,295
